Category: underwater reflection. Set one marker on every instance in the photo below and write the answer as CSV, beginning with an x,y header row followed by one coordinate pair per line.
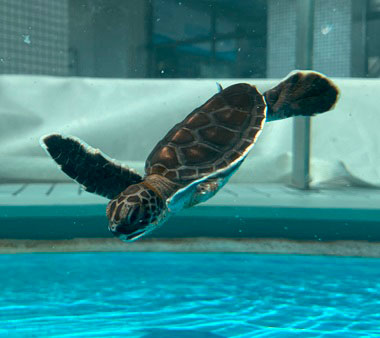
x,y
164,333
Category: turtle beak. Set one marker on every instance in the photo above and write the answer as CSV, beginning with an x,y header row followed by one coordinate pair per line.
x,y
133,225
121,232
128,237
134,236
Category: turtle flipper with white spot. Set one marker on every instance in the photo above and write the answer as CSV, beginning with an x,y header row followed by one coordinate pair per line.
x,y
197,156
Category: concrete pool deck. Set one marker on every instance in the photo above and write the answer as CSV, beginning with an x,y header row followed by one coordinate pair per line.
x,y
263,218
255,246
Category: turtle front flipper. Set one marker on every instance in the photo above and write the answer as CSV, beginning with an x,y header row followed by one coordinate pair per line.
x,y
302,93
88,166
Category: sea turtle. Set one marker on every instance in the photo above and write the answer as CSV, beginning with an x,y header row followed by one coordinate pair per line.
x,y
197,156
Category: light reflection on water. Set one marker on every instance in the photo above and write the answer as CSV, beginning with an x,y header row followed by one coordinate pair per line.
x,y
187,295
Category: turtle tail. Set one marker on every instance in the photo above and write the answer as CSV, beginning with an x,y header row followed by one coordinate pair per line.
x,y
302,93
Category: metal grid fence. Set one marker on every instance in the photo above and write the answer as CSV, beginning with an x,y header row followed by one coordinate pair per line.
x,y
34,37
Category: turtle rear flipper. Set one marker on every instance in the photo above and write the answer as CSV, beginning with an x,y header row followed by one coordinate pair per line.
x,y
89,166
304,93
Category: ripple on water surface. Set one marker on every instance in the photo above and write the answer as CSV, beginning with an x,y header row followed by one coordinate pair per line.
x,y
187,295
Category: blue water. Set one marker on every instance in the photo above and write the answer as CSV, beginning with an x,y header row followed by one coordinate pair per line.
x,y
188,295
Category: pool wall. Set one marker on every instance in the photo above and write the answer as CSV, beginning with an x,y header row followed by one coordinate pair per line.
x,y
240,218
39,208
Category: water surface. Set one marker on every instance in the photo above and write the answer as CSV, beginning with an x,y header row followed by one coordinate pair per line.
x,y
188,295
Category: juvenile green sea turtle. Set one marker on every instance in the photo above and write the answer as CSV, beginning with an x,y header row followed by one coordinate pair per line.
x,y
197,156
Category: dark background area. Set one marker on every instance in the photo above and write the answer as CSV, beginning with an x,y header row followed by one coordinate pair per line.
x,y
184,38
167,38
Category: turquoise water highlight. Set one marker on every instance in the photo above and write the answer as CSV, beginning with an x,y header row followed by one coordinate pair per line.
x,y
188,295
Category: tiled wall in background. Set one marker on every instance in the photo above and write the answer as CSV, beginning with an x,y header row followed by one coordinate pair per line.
x,y
332,37
281,56
34,37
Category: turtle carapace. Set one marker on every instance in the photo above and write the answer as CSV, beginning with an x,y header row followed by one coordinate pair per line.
x,y
197,156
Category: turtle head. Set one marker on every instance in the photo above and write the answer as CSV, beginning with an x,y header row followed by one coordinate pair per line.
x,y
134,212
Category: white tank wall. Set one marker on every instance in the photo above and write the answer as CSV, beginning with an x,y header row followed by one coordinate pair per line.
x,y
126,118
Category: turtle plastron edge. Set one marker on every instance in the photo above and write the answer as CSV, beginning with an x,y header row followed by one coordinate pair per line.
x,y
205,190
